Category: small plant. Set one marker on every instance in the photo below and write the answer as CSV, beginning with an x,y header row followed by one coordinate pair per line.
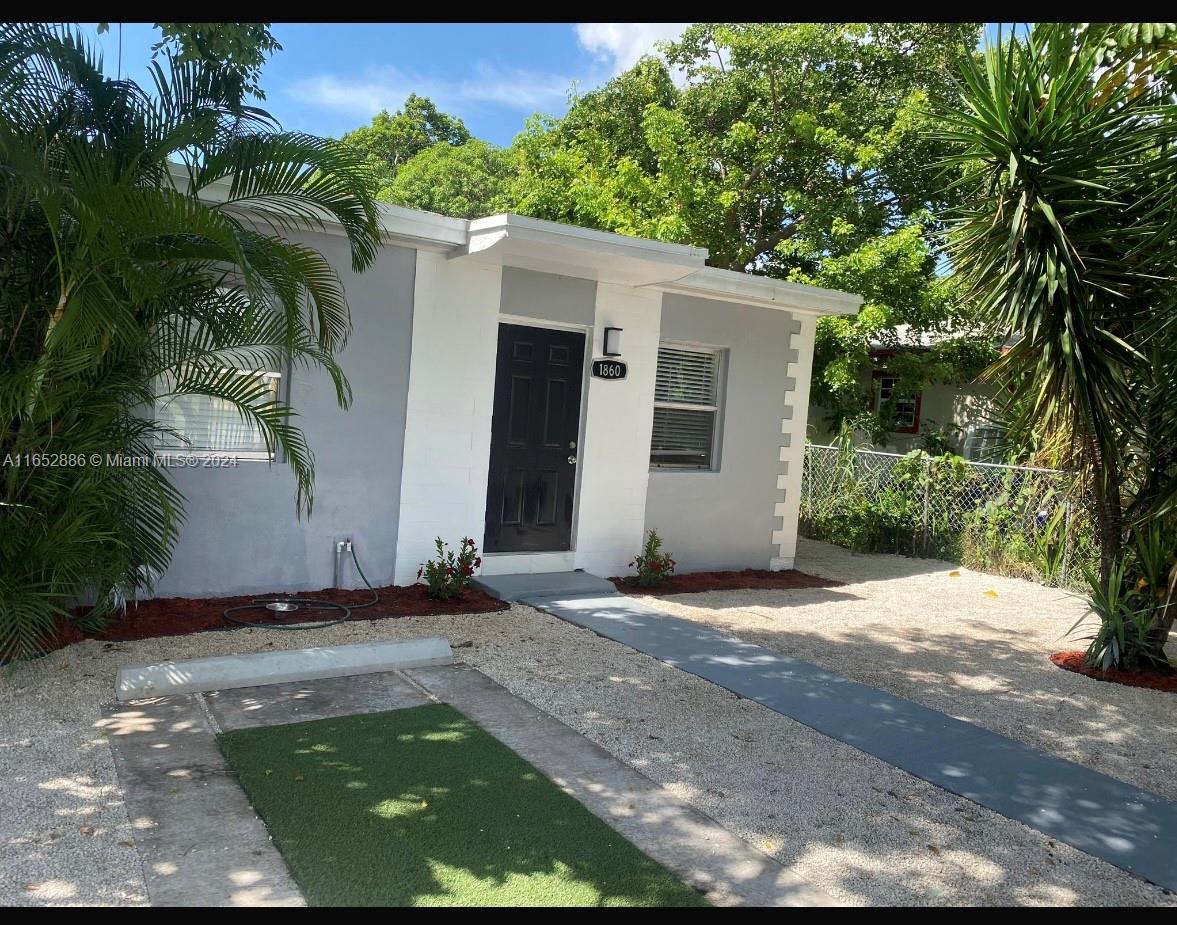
x,y
652,564
450,572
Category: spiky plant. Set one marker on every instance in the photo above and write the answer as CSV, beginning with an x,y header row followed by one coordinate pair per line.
x,y
147,250
1068,238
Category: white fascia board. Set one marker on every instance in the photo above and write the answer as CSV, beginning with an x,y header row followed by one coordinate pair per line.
x,y
424,228
515,240
730,286
398,225
508,224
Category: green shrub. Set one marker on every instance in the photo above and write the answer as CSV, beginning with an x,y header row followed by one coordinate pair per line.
x,y
450,573
652,564
1012,524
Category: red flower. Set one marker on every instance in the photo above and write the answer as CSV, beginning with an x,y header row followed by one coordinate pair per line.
x,y
478,562
449,570
469,542
467,571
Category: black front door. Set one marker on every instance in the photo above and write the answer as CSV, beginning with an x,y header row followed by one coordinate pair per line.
x,y
533,438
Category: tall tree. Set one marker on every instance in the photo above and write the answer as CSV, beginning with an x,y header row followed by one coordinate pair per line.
x,y
1067,236
468,180
796,150
390,140
240,47
123,283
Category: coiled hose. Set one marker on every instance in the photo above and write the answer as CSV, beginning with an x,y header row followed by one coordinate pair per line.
x,y
301,603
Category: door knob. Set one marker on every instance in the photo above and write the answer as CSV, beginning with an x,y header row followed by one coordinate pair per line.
x,y
572,460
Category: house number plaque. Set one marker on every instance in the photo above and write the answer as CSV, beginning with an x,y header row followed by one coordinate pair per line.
x,y
609,369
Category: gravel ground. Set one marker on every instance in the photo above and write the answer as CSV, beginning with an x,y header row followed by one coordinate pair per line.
x,y
974,646
853,825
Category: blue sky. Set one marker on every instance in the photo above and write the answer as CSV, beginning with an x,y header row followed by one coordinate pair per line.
x,y
329,78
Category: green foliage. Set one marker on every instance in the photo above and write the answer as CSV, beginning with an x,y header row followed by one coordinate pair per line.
x,y
1125,606
391,140
1134,605
1067,235
240,47
937,440
1010,522
796,150
467,180
120,288
653,566
450,573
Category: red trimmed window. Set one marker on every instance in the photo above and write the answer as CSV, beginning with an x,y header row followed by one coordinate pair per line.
x,y
907,410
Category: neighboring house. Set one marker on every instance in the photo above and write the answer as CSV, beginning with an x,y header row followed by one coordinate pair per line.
x,y
480,411
963,414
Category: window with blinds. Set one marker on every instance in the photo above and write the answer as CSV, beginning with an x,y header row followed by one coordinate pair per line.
x,y
212,425
686,408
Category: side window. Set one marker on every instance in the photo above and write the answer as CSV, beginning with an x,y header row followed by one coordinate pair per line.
x,y
907,410
211,426
686,408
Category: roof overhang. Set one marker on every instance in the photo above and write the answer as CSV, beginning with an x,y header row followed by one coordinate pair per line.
x,y
569,250
763,291
551,247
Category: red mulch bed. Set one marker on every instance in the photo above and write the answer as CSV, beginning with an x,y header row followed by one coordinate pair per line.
x,y
749,578
179,616
1154,680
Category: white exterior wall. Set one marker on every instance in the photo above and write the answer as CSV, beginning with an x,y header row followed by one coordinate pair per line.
x,y
450,405
615,462
451,394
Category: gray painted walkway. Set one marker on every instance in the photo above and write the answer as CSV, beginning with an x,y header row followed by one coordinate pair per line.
x,y
1124,825
201,844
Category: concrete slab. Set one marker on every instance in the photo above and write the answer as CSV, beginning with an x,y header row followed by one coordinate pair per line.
x,y
232,671
198,838
1107,818
300,701
520,586
694,846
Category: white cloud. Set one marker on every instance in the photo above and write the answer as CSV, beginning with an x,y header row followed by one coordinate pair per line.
x,y
387,87
621,44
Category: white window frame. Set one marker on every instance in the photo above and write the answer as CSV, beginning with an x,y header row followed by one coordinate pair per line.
x,y
904,407
716,409
170,449
984,434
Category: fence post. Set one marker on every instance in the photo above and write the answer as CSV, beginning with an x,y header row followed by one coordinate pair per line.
x,y
927,493
1062,570
807,474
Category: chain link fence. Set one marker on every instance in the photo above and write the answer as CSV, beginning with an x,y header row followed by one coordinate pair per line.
x,y
1011,520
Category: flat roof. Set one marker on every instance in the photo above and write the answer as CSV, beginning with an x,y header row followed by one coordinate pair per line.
x,y
546,246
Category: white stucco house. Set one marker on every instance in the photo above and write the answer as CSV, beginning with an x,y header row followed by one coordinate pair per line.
x,y
550,391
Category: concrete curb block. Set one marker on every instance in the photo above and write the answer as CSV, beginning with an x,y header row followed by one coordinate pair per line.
x,y
224,672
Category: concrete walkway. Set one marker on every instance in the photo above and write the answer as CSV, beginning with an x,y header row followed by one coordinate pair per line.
x,y
1104,817
201,844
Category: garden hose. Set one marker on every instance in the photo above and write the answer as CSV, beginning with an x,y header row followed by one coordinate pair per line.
x,y
302,603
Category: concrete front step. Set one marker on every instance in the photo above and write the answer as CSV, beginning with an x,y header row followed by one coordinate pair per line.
x,y
525,586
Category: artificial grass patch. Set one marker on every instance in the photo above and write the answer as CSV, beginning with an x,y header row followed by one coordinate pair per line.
x,y
422,807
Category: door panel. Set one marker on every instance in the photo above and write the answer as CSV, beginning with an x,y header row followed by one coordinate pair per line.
x,y
534,429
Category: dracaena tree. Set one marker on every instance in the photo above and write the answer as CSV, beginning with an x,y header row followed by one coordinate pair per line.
x,y
148,249
1064,159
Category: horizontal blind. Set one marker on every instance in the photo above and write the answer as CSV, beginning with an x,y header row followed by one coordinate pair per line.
x,y
682,438
212,424
687,376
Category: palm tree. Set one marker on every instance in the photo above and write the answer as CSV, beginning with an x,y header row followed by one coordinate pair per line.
x,y
146,252
1067,237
